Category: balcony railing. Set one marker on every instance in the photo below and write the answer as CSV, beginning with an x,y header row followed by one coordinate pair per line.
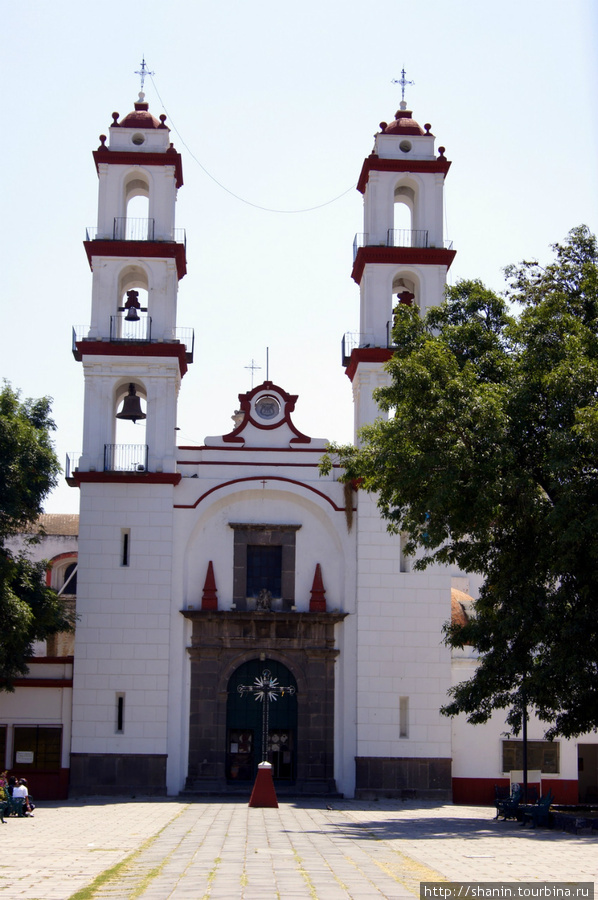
x,y
352,340
397,237
124,229
122,329
125,458
133,229
404,237
135,332
186,336
72,463
117,458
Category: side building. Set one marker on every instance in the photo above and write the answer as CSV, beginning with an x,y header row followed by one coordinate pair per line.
x,y
35,719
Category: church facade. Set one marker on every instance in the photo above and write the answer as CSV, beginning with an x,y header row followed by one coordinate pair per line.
x,y
205,570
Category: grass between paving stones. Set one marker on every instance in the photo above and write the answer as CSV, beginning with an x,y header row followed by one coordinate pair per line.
x,y
124,866
211,877
406,870
305,874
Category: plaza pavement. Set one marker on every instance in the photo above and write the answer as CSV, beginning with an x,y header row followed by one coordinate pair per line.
x,y
220,849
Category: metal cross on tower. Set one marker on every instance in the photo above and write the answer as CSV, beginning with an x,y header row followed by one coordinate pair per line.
x,y
143,72
253,368
403,82
266,689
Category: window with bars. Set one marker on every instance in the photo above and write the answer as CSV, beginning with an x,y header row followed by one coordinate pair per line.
x,y
37,747
541,755
264,570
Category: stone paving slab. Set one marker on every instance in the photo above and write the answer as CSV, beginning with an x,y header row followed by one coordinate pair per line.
x,y
220,849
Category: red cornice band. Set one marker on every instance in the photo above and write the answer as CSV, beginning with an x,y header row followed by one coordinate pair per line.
x,y
79,478
128,348
401,256
141,249
373,163
366,355
126,158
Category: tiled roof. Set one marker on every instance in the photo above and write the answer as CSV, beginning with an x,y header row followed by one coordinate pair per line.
x,y
58,523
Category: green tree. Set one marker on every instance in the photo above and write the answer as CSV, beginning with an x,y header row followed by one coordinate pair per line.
x,y
489,460
29,611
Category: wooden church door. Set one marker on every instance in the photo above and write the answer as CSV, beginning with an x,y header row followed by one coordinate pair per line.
x,y
244,725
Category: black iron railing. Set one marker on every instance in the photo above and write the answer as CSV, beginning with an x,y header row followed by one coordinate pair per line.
x,y
124,229
72,463
398,237
352,340
125,457
406,237
140,332
123,329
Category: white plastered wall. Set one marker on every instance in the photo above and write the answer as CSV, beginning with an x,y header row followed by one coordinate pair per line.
x,y
400,647
123,632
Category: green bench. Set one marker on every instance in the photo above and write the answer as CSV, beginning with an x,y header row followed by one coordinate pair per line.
x,y
539,813
507,805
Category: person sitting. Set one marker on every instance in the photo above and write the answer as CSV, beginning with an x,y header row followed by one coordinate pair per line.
x,y
21,790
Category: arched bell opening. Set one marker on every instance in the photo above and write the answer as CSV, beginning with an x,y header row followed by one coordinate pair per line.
x,y
128,450
137,224
132,321
405,292
261,721
406,230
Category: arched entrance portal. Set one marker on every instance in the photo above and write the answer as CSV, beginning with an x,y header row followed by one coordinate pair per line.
x,y
226,646
244,717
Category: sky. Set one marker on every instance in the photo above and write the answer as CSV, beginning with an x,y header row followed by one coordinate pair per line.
x,y
277,104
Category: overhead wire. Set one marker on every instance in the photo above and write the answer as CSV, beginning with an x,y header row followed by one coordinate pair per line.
x,y
232,193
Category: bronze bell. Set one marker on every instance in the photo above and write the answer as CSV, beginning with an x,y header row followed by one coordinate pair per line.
x,y
132,306
132,315
131,407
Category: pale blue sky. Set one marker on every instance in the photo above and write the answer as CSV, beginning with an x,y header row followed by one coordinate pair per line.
x,y
279,102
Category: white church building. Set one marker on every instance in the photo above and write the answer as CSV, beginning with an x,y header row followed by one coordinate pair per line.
x,y
202,568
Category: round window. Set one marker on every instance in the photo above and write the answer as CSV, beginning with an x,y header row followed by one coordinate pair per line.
x,y
138,139
267,407
405,146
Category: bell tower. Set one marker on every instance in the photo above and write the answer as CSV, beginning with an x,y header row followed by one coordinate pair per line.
x,y
401,255
133,348
401,665
134,357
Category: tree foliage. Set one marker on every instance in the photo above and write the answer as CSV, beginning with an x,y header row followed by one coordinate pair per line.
x,y
29,611
489,460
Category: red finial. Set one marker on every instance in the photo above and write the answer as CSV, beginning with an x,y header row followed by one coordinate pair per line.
x,y
209,598
317,602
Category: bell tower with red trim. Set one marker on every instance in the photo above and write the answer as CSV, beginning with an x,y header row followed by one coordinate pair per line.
x,y
134,357
402,668
401,255
133,353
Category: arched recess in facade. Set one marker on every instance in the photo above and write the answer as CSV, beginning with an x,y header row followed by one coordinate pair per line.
x,y
226,638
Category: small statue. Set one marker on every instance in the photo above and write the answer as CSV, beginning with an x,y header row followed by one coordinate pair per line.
x,y
264,600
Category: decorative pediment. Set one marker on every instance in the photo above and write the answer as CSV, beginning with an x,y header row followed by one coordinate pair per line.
x,y
264,420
